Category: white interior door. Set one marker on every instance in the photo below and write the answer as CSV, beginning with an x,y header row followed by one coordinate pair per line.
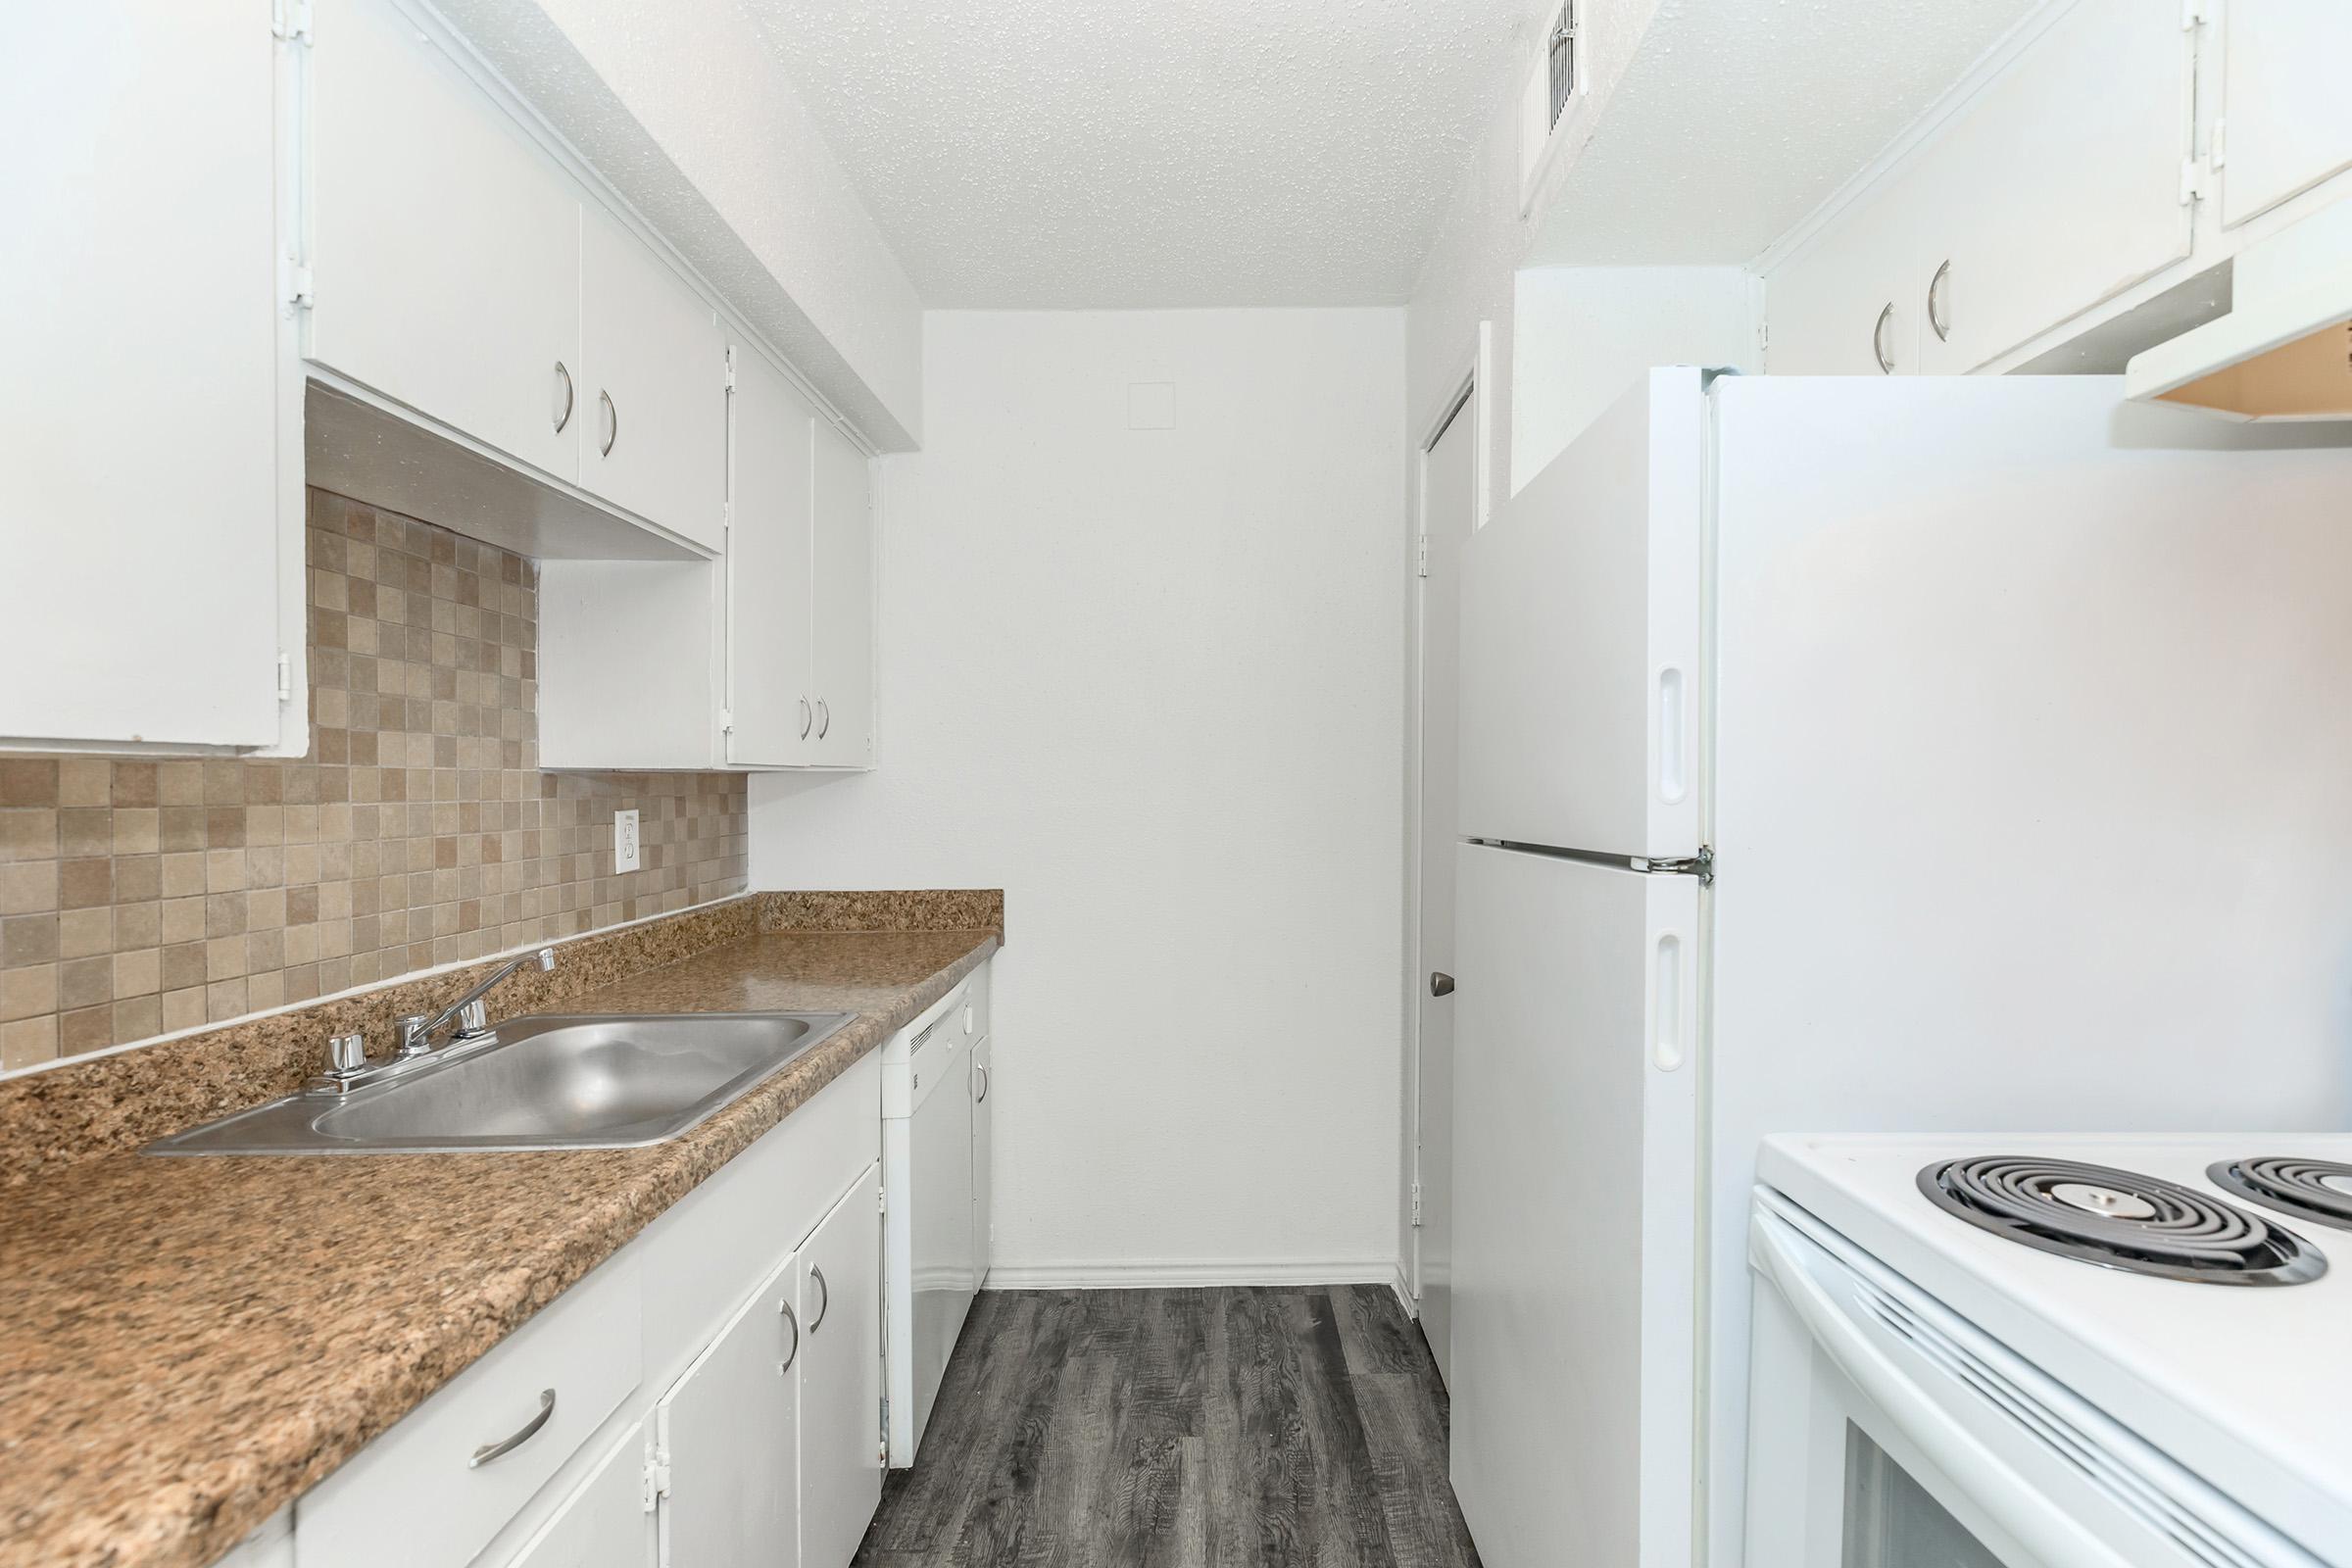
x,y
1580,618
1575,1209
731,1429
839,1284
1449,508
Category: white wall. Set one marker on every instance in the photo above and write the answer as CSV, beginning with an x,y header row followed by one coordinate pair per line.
x,y
1582,335
685,108
1144,681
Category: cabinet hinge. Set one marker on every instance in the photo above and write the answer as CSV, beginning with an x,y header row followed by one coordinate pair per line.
x,y
2217,155
2192,180
1701,866
726,721
882,1206
730,366
290,19
1421,555
882,1448
1416,1205
2192,14
285,677
301,290
657,1477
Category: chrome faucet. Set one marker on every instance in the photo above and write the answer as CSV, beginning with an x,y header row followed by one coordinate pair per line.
x,y
418,1029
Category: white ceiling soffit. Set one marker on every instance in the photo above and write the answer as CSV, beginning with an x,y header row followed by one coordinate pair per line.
x,y
1079,153
1735,119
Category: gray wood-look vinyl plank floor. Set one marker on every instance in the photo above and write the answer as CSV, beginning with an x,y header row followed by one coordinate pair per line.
x,y
1232,1428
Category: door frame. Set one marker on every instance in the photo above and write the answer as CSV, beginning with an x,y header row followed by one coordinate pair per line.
x,y
1475,378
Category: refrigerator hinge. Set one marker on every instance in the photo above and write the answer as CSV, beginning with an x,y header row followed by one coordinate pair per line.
x,y
1701,866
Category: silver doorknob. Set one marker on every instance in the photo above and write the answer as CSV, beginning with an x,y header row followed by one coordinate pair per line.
x,y
1440,984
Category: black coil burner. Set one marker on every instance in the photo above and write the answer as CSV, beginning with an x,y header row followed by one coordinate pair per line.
x,y
2316,1189
2120,1219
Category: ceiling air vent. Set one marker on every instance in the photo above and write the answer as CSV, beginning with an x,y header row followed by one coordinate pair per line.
x,y
1561,47
1558,84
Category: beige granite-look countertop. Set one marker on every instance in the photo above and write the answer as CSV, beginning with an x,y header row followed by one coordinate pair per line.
x,y
186,1346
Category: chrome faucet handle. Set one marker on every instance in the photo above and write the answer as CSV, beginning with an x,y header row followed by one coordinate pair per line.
x,y
473,1020
409,1030
346,1054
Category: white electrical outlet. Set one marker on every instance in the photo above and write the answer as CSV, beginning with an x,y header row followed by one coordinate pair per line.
x,y
625,841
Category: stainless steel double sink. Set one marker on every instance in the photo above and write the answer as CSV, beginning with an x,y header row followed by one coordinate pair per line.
x,y
613,1081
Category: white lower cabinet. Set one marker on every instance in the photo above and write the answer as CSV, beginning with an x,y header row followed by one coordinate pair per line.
x,y
655,1415
727,1439
601,1524
838,1280
984,1156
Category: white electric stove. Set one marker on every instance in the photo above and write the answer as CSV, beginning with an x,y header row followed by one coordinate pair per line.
x,y
2052,1352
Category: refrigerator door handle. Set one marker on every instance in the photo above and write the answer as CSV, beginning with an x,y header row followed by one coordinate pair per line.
x,y
1674,774
1666,1013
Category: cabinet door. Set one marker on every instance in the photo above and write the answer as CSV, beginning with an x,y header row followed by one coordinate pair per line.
x,y
603,1523
445,249
2287,118
653,387
841,605
2059,187
138,376
840,1286
1837,307
730,1431
983,1154
768,693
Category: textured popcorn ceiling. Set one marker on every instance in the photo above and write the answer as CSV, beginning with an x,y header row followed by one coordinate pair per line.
x,y
1077,153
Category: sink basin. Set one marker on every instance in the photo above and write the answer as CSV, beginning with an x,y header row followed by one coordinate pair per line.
x,y
603,1081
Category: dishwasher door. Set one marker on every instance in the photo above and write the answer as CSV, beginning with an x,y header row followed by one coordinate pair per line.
x,y
940,1161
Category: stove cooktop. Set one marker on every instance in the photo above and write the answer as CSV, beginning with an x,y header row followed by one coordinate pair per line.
x,y
2093,1257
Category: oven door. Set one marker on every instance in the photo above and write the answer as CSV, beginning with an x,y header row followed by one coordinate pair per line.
x,y
1885,1430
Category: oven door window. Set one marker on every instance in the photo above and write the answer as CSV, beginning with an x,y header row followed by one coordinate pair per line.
x,y
1891,1521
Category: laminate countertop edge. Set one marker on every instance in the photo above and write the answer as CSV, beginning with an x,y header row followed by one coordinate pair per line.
x,y
196,1342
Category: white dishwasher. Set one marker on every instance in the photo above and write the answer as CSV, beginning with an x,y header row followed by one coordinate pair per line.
x,y
929,1251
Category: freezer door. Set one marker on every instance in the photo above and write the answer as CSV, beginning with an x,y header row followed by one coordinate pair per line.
x,y
1580,639
1576,1096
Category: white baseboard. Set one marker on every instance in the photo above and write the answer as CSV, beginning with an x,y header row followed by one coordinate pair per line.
x,y
1195,1274
1405,1294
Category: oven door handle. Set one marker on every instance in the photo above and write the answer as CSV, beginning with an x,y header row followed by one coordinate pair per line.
x,y
2046,1531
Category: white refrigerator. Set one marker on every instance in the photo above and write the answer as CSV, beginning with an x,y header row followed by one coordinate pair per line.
x,y
1857,754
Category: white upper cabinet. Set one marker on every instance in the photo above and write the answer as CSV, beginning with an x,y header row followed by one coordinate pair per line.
x,y
653,387
2056,186
151,537
445,251
841,605
772,713
2061,186
2285,118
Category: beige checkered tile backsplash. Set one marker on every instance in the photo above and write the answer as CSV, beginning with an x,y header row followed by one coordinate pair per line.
x,y
139,897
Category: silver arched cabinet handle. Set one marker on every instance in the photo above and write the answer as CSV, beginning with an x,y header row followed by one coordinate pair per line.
x,y
1878,342
824,718
1940,310
563,386
807,718
981,1068
508,1444
824,1297
612,422
794,1354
